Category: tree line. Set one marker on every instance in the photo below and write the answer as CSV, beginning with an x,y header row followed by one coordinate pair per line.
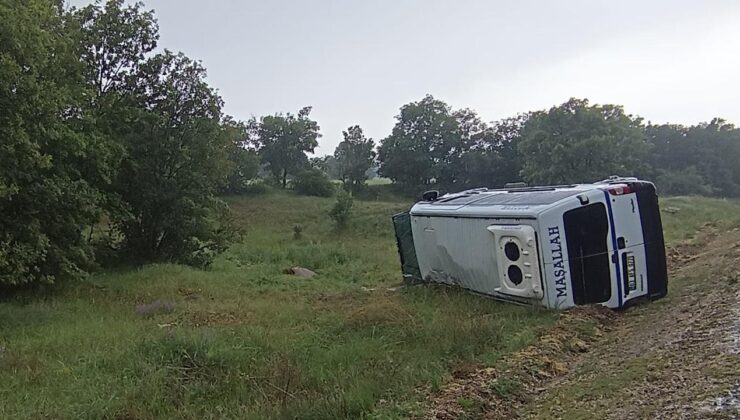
x,y
115,149
432,144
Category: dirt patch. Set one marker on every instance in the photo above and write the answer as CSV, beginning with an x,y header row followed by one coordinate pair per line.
x,y
213,315
189,293
215,318
495,393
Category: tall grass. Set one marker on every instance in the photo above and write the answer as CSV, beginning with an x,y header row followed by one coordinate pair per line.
x,y
247,340
683,216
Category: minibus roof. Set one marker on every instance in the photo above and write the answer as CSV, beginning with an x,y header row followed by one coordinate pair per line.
x,y
526,202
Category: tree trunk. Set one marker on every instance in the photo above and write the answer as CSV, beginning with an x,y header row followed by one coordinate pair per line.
x,y
285,178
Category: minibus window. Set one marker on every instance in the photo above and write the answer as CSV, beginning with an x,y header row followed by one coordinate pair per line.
x,y
586,230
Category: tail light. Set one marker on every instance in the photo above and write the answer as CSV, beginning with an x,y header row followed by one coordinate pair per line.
x,y
619,189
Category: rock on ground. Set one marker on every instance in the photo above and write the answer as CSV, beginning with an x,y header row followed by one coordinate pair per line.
x,y
301,272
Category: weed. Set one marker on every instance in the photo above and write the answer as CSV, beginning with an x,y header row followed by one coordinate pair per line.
x,y
297,232
342,209
186,357
505,387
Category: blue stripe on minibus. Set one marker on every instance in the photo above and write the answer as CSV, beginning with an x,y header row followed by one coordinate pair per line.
x,y
615,257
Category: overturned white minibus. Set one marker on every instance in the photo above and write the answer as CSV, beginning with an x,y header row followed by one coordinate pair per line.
x,y
556,246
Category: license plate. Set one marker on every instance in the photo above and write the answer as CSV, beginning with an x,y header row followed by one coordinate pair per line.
x,y
631,277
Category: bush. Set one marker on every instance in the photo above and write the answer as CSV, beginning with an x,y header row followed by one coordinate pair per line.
x,y
342,210
193,234
251,187
255,187
313,182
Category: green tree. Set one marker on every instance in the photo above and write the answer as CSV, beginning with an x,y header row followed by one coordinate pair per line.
x,y
45,197
718,160
114,41
327,164
282,142
354,156
244,162
177,155
425,146
686,181
577,142
493,158
700,159
161,123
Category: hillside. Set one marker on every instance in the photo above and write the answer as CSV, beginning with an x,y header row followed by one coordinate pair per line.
x,y
247,340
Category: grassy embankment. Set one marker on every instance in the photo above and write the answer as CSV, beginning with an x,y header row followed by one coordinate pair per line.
x,y
246,340
607,381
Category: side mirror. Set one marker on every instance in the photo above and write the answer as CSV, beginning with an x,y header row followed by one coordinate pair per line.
x,y
430,195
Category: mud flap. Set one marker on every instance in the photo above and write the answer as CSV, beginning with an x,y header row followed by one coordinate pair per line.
x,y
406,250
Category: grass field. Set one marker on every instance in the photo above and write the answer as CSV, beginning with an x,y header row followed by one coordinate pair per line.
x,y
246,340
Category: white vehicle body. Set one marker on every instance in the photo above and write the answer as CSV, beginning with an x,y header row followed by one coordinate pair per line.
x,y
554,246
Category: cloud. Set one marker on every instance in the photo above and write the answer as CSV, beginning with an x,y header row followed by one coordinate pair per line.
x,y
683,73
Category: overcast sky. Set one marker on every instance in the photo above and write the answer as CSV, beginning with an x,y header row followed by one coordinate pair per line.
x,y
358,62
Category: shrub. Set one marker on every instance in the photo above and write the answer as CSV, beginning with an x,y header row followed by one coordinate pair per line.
x,y
342,209
297,232
255,187
313,182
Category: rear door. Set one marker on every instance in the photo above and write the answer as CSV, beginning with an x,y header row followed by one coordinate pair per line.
x,y
628,251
